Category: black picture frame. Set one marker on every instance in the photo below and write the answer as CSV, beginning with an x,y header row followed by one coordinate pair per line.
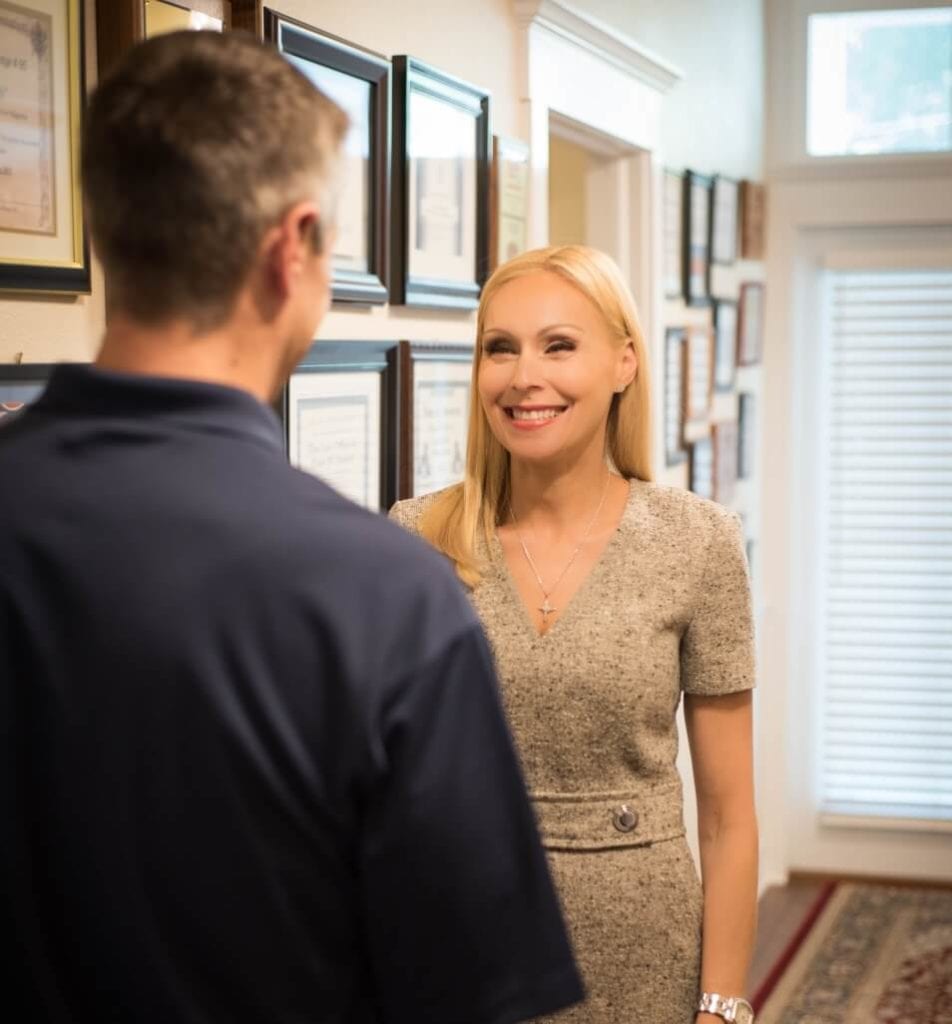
x,y
746,434
674,451
701,471
307,44
408,356
696,215
20,385
22,269
370,357
725,207
433,291
725,344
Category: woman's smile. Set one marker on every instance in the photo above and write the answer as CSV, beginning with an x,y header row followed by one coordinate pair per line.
x,y
533,417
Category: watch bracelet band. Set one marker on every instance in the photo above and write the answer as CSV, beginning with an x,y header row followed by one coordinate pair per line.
x,y
726,1007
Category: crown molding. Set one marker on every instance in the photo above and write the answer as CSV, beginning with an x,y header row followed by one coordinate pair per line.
x,y
600,39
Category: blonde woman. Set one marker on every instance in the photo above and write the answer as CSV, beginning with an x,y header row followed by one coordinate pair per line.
x,y
605,598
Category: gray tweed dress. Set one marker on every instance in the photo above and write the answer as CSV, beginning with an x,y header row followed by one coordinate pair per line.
x,y
591,704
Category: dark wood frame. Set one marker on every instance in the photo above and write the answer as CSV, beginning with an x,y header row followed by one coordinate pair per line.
x,y
293,37
120,24
719,180
55,278
753,220
359,357
699,445
408,74
688,214
25,373
746,434
750,337
724,344
403,357
724,438
674,337
502,143
679,292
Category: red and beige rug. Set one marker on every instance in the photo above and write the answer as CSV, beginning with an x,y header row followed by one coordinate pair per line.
x,y
866,954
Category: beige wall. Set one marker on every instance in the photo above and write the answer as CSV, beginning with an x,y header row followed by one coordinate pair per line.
x,y
568,168
476,41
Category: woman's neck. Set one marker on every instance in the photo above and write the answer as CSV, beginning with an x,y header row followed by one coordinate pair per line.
x,y
555,500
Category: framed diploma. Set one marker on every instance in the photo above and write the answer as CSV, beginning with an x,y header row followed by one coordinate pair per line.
x,y
339,412
20,385
701,471
440,244
724,439
724,199
750,327
674,452
435,382
121,24
725,344
43,244
359,82
509,206
673,254
698,365
753,211
746,434
695,239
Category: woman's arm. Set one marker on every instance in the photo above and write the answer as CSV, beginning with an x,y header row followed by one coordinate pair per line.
x,y
720,736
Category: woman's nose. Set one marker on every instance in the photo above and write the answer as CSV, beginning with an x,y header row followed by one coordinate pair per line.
x,y
525,371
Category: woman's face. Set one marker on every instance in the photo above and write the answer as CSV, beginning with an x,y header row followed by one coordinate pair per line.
x,y
548,369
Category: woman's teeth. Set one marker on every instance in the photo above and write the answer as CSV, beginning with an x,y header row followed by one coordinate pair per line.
x,y
535,414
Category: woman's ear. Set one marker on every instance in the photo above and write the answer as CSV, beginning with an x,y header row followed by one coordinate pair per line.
x,y
627,368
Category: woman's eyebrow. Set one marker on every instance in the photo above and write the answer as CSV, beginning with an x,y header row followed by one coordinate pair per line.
x,y
502,332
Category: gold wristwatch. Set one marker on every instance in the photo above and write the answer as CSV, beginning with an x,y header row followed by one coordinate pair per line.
x,y
733,1009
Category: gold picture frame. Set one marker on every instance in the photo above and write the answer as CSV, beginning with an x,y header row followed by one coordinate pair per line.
x,y
43,243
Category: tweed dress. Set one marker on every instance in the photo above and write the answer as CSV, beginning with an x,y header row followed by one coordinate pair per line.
x,y
666,610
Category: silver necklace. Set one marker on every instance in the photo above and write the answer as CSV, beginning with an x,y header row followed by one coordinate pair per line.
x,y
547,608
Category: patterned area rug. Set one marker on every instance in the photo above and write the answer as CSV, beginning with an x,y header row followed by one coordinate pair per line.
x,y
875,955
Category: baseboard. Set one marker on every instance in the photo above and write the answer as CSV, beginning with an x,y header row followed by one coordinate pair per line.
x,y
903,881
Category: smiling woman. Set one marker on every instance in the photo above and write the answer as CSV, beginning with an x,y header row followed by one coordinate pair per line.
x,y
605,597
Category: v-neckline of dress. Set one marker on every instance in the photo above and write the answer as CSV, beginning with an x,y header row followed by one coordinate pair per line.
x,y
498,557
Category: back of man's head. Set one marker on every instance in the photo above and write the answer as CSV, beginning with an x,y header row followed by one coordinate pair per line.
x,y
195,145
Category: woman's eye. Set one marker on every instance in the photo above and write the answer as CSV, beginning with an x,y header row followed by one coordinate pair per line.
x,y
561,345
497,346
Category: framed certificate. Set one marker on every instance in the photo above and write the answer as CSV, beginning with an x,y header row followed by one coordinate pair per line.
x,y
359,82
339,412
435,381
20,385
43,245
750,326
441,133
746,434
121,24
753,213
673,252
696,239
509,206
698,366
724,438
725,344
701,471
724,198
674,452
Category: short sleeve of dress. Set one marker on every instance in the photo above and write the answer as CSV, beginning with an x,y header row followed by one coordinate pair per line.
x,y
407,514
717,648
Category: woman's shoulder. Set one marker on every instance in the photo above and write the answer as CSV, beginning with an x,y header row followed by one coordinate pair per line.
x,y
409,512
679,512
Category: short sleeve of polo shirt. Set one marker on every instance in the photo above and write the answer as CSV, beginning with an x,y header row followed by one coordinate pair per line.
x,y
462,922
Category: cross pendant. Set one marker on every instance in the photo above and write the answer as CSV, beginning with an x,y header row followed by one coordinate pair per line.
x,y
546,609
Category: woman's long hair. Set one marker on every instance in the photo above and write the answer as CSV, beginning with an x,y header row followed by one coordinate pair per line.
x,y
452,522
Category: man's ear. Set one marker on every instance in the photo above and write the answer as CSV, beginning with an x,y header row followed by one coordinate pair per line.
x,y
288,246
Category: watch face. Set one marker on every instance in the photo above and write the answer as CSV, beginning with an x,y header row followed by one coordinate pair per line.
x,y
743,1014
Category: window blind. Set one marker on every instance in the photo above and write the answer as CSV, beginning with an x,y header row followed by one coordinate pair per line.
x,y
886,547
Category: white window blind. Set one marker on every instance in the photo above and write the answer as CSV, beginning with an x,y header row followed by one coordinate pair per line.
x,y
886,547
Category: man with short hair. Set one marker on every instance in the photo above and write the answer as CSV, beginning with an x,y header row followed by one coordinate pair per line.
x,y
253,763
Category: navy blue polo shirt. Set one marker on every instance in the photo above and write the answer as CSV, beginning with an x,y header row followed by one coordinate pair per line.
x,y
254,766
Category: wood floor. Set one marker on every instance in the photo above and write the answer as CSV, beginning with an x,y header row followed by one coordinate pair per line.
x,y
782,908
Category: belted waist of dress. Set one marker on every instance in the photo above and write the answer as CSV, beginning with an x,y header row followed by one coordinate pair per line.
x,y
596,821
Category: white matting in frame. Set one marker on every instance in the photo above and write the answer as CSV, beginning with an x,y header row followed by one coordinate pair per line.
x,y
334,431
440,423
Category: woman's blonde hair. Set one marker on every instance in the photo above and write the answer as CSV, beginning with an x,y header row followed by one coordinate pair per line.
x,y
453,520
